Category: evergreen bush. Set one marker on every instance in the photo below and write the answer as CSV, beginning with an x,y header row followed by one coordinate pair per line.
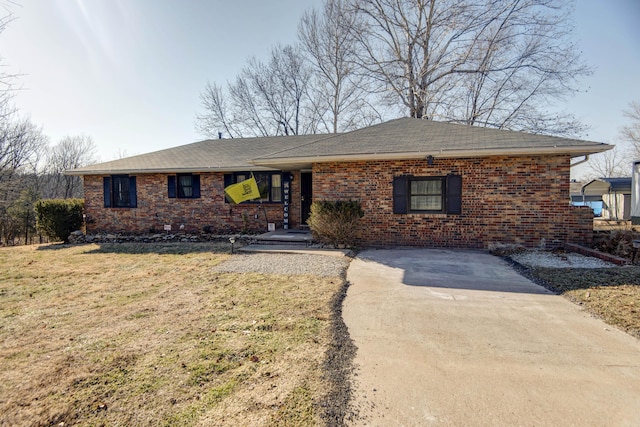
x,y
58,218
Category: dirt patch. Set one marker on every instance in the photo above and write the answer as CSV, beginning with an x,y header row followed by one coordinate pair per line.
x,y
151,334
338,367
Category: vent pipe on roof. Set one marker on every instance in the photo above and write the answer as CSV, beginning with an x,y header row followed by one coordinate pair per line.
x,y
219,135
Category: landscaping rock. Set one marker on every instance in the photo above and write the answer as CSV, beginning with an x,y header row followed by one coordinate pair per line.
x,y
79,238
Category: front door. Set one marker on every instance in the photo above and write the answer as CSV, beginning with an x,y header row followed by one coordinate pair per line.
x,y
305,195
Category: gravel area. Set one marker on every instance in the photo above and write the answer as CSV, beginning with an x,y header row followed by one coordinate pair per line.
x,y
558,260
282,263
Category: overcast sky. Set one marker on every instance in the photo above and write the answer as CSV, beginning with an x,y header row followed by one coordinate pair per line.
x,y
129,72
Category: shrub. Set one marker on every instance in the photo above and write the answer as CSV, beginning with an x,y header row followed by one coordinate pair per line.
x,y
335,222
58,218
617,242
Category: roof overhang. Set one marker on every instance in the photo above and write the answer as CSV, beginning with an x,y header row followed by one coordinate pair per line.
x,y
106,171
294,163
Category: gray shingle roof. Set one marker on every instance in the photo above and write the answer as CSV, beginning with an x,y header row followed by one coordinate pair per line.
x,y
396,139
224,155
414,138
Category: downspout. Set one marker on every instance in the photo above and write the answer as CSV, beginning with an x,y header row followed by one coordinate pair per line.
x,y
579,162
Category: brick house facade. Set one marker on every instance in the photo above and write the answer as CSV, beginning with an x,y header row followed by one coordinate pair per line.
x,y
509,200
209,212
437,185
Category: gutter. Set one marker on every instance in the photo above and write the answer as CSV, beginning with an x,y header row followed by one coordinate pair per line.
x,y
579,162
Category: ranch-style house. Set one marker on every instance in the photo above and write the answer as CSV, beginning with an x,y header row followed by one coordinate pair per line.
x,y
420,183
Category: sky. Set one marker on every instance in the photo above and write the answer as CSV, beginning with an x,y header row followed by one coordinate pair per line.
x,y
129,73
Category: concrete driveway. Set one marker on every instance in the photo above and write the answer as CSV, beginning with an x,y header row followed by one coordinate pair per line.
x,y
450,337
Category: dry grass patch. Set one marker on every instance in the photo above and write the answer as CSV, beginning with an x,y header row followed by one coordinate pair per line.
x,y
150,335
613,294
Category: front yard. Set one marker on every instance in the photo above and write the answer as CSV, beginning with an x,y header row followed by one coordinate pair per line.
x,y
160,334
152,335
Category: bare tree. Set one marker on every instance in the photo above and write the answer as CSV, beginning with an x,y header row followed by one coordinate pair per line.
x,y
266,99
496,63
217,117
631,133
7,81
493,63
281,88
21,146
70,153
21,143
407,47
339,95
524,60
608,164
616,162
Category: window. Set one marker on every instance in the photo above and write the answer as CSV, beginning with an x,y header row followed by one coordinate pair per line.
x,y
120,191
276,187
184,186
269,184
427,194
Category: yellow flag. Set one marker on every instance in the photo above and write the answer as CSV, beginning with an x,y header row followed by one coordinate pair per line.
x,y
243,191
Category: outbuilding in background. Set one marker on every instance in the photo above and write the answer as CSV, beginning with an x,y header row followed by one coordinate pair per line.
x,y
616,196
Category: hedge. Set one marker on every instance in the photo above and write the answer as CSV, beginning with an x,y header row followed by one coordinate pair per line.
x,y
58,218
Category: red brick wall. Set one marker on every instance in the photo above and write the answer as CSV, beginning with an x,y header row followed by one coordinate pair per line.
x,y
155,208
509,200
580,228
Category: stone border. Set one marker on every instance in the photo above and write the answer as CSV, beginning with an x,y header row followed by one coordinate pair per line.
x,y
583,250
78,237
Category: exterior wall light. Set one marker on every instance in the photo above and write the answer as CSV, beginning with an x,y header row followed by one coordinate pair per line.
x,y
430,160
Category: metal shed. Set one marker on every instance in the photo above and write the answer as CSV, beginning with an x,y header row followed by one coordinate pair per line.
x,y
615,194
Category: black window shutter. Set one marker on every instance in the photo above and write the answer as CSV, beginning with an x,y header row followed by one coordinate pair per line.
x,y
400,189
106,185
454,194
133,197
171,186
195,182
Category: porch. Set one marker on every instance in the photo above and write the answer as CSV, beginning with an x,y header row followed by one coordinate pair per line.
x,y
284,236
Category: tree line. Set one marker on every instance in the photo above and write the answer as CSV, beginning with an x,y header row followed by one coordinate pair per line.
x,y
491,63
31,168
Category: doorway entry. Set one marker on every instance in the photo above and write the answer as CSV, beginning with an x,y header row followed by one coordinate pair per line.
x,y
306,196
